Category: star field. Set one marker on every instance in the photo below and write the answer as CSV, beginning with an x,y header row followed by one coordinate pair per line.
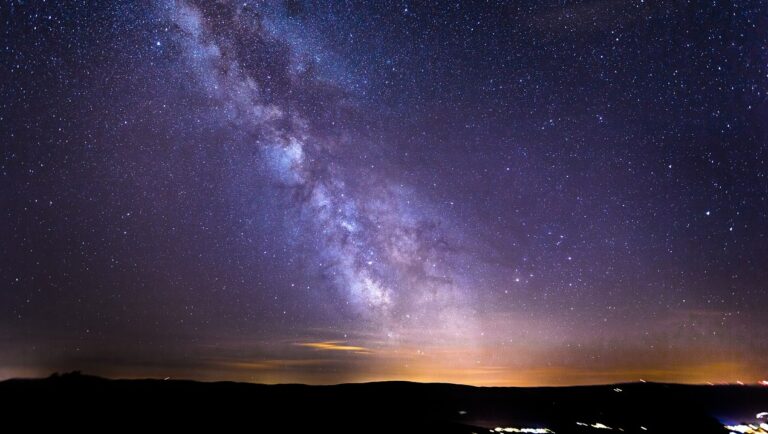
x,y
483,192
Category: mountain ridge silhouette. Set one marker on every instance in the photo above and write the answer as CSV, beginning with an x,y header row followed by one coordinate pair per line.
x,y
387,406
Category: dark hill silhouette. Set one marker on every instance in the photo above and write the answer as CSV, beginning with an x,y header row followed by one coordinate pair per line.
x,y
78,401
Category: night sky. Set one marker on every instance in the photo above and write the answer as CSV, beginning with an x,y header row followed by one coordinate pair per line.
x,y
491,193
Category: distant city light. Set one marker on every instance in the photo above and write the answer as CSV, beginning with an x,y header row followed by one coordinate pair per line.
x,y
524,430
748,428
596,425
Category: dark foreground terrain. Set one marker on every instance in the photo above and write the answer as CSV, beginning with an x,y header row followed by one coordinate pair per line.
x,y
80,401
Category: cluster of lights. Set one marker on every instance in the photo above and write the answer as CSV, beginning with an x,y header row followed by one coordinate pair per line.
x,y
748,428
596,425
524,430
751,428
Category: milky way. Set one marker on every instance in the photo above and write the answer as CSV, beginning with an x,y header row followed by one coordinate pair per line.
x,y
524,193
372,245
